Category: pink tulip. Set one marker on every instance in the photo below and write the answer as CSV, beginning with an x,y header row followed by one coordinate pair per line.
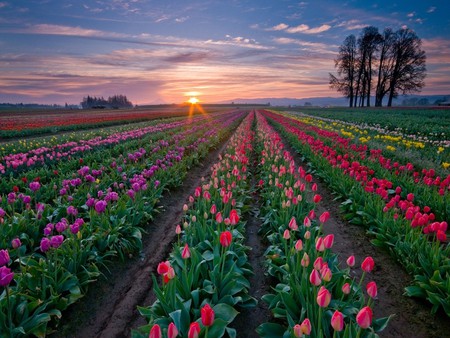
x,y
314,278
368,264
297,331
326,274
194,330
186,253
178,229
320,246
337,321
293,224
346,288
299,245
307,222
172,331
16,243
234,217
364,317
219,218
351,261
306,326
323,297
318,263
213,209
328,241
155,332
372,290
286,234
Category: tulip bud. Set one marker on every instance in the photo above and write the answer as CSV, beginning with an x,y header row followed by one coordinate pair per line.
x,y
318,263
364,317
225,238
307,234
372,290
155,332
305,260
323,297
286,234
337,321
178,229
326,274
207,315
172,331
293,224
194,330
4,257
299,245
368,264
351,261
314,278
324,217
320,246
346,288
328,241
306,326
307,222
186,253
297,331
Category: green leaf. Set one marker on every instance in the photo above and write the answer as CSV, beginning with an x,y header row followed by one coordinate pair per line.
x,y
270,330
225,312
381,323
218,328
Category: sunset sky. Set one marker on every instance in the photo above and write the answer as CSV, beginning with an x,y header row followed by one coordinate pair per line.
x,y
57,51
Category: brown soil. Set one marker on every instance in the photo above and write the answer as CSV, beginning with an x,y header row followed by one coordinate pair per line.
x,y
110,307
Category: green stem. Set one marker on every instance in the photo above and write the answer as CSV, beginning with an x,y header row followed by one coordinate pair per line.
x,y
9,312
359,333
206,332
319,323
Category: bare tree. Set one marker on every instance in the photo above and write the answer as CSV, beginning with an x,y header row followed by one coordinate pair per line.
x,y
385,66
409,66
345,64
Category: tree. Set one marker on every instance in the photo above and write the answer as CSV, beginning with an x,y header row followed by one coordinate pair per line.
x,y
385,66
367,46
409,66
345,64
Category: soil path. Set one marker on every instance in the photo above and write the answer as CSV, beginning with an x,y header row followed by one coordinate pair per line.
x,y
412,317
109,309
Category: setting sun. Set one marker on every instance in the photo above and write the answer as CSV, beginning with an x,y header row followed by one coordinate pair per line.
x,y
193,100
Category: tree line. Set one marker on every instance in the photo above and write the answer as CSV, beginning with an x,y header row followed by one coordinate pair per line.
x,y
116,101
391,63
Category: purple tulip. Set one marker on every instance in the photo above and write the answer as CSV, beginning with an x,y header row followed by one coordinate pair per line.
x,y
6,276
2,212
16,243
34,186
45,244
26,199
56,241
90,202
71,210
63,192
4,257
131,194
100,206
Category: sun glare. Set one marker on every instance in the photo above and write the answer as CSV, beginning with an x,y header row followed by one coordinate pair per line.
x,y
193,100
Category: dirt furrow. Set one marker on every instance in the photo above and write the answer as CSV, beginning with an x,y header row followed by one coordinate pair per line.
x,y
109,309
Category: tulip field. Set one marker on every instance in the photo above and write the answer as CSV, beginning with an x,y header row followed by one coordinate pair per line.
x,y
73,205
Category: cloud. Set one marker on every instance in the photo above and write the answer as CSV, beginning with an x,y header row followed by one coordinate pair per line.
x,y
3,4
279,27
302,28
182,19
352,25
310,46
431,9
50,29
410,15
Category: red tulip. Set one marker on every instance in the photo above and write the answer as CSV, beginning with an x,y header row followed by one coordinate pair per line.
x,y
337,321
207,315
324,217
323,297
364,317
172,331
194,330
163,267
372,289
225,238
368,264
234,217
155,332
